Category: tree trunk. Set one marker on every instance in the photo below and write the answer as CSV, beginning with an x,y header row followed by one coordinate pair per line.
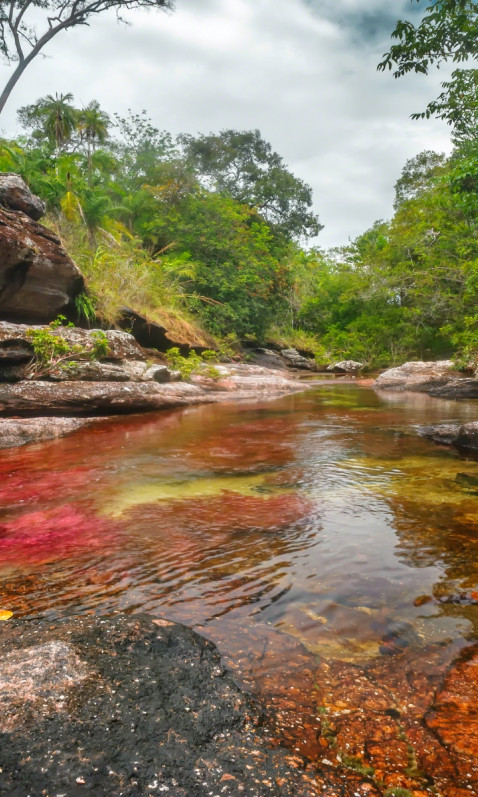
x,y
10,85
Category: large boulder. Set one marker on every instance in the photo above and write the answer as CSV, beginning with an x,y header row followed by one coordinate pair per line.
x,y
418,375
38,280
15,195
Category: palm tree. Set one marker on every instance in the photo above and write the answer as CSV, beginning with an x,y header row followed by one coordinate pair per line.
x,y
59,118
93,124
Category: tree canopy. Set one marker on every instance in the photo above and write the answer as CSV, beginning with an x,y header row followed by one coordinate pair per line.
x,y
245,167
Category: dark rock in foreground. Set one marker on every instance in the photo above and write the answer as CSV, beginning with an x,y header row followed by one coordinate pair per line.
x,y
462,436
132,706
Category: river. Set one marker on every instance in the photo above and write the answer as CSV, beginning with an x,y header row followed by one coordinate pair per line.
x,y
315,538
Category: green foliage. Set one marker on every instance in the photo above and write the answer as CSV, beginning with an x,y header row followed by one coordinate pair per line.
x,y
194,364
52,351
240,164
85,307
161,227
398,792
447,31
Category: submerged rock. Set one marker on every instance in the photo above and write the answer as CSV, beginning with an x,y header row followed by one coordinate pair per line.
x,y
132,706
461,388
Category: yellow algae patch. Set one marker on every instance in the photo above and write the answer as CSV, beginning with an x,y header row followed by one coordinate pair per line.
x,y
156,491
429,480
5,615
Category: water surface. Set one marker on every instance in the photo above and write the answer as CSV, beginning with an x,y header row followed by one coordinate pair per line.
x,y
315,528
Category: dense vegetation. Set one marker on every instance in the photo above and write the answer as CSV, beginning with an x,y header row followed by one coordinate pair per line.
x,y
213,230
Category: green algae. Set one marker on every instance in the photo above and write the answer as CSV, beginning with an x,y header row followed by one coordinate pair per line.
x,y
156,491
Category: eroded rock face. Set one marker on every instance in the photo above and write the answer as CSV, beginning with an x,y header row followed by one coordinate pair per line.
x,y
135,706
15,195
16,346
38,280
420,376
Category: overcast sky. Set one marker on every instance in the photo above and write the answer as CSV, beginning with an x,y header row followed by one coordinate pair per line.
x,y
302,71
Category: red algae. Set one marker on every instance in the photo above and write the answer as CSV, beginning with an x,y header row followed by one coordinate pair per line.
x,y
229,512
41,536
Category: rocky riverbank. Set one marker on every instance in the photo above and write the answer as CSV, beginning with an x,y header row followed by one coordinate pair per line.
x,y
41,402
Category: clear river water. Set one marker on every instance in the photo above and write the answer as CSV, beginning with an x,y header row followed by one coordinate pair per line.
x,y
312,537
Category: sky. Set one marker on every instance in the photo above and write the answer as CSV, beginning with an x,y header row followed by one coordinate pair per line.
x,y
301,71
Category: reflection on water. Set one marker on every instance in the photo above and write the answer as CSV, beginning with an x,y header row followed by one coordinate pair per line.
x,y
316,525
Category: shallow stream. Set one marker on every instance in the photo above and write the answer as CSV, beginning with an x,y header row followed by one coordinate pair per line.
x,y
317,530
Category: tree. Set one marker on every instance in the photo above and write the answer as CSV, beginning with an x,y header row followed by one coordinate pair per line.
x,y
418,175
240,164
53,118
22,37
457,105
448,31
92,124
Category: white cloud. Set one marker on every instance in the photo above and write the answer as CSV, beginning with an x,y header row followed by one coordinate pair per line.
x,y
304,73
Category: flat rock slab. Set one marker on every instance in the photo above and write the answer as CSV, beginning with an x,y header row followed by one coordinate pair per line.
x,y
21,432
133,706
91,398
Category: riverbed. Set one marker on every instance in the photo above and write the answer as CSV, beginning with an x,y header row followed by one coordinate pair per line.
x,y
325,547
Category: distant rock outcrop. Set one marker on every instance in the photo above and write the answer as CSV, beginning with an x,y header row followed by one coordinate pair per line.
x,y
417,375
345,367
38,280
438,379
296,360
